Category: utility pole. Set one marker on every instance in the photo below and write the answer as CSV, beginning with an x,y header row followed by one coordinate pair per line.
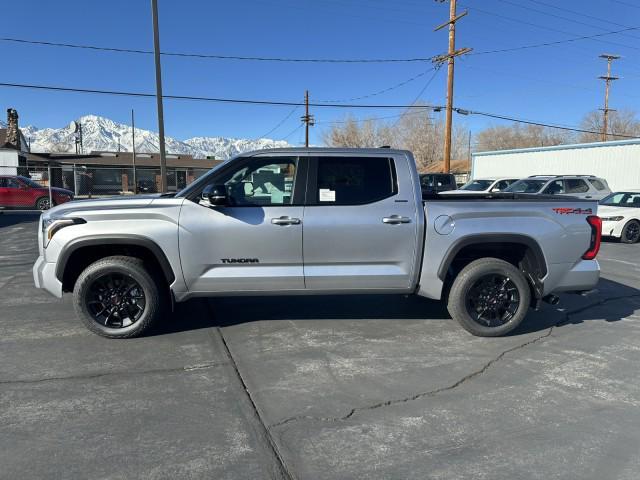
x,y
156,51
133,150
449,58
607,81
307,119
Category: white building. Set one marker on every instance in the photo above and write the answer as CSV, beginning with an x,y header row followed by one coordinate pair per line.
x,y
618,162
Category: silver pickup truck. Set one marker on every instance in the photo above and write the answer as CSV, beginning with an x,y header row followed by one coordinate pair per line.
x,y
316,221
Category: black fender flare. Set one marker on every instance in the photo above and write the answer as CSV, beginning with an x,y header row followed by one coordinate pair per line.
x,y
120,239
540,264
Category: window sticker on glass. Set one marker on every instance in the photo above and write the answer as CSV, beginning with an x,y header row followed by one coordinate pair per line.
x,y
327,195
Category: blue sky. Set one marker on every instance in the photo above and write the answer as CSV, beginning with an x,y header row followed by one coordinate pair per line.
x,y
556,84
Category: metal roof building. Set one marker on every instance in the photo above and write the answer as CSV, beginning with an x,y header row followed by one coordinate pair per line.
x,y
618,162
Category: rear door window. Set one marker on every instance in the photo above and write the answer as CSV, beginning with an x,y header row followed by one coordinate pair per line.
x,y
597,184
354,180
576,185
555,188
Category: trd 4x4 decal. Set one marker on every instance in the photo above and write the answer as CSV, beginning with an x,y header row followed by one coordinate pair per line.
x,y
573,211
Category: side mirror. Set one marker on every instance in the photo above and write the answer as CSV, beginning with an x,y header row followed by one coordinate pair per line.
x,y
216,195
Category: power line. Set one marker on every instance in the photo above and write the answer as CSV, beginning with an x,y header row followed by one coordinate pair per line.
x,y
566,19
197,98
380,92
557,42
279,123
216,56
546,27
529,122
270,102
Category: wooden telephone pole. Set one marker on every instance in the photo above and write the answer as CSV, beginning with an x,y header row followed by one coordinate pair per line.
x,y
449,58
607,82
308,120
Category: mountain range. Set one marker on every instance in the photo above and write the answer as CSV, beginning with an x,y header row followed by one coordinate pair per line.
x,y
103,134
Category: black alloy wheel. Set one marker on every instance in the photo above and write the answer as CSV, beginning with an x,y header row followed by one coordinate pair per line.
x,y
493,300
631,232
115,300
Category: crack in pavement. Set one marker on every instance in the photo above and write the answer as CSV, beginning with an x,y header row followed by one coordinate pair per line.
x,y
563,321
89,376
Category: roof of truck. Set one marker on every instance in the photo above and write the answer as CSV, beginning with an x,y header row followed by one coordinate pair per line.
x,y
316,150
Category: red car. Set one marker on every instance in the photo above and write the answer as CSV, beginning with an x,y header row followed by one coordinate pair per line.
x,y
22,192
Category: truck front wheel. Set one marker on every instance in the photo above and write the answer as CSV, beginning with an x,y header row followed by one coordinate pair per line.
x,y
116,297
489,297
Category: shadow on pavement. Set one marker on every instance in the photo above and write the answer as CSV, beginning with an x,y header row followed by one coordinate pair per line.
x,y
227,311
615,310
9,218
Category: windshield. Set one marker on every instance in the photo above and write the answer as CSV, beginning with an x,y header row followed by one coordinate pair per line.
x,y
30,182
526,186
477,185
622,199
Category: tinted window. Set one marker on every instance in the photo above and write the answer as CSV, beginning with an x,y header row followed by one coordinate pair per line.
x,y
576,185
526,186
597,184
477,185
354,181
9,183
555,188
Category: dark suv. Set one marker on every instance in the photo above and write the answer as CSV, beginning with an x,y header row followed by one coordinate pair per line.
x,y
437,182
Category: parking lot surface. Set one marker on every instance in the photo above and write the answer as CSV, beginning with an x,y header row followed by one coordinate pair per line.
x,y
319,387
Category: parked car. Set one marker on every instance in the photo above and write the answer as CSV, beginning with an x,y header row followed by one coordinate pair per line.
x,y
581,186
21,192
146,186
484,185
437,182
620,214
333,221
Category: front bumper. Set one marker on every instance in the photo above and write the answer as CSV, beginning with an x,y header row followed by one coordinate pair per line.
x,y
612,229
44,276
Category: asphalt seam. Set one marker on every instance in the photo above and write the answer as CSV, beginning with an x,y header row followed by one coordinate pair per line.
x,y
563,321
282,466
89,376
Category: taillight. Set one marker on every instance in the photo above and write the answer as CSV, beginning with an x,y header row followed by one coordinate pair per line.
x,y
596,235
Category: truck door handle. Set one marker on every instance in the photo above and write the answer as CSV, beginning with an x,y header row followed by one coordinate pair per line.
x,y
587,196
284,220
396,219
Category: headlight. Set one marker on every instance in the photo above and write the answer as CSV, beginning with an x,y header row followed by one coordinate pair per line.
x,y
612,219
52,225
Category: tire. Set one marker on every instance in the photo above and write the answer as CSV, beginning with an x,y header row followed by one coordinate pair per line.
x,y
132,297
43,204
631,232
493,282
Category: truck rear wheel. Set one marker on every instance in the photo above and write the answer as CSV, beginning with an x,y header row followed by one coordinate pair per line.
x,y
116,297
489,297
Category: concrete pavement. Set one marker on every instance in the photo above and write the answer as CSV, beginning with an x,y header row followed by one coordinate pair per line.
x,y
320,387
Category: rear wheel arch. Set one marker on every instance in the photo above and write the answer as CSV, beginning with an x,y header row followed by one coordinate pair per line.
x,y
82,252
521,251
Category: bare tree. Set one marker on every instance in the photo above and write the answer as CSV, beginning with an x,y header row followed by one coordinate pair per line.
x,y
520,136
416,131
621,122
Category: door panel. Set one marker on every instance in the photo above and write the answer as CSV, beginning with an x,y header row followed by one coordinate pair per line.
x,y
213,242
254,243
353,247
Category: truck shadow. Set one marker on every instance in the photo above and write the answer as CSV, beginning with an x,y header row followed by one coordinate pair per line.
x,y
612,302
227,311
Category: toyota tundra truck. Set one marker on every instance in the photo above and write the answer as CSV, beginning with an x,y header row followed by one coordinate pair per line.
x,y
316,221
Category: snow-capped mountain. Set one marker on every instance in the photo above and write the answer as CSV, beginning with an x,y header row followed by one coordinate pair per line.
x,y
103,134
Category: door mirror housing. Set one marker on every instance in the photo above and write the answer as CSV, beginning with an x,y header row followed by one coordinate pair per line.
x,y
216,195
